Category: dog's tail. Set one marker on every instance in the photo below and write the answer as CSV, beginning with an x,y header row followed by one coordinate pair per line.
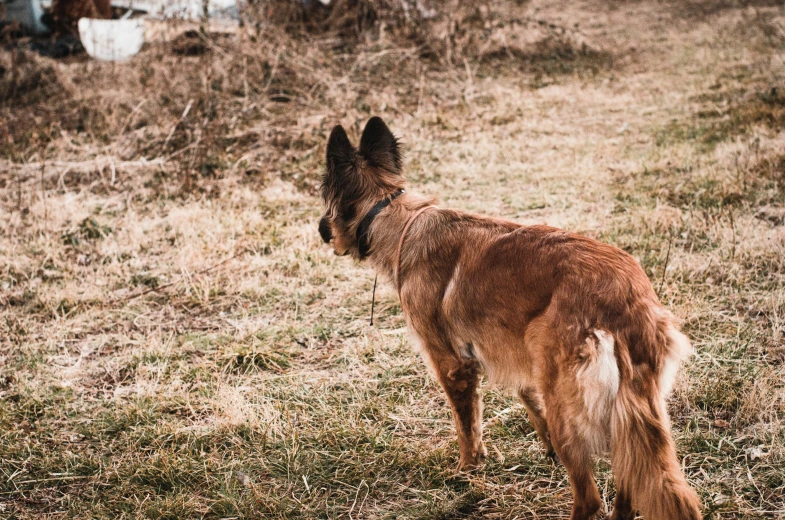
x,y
643,455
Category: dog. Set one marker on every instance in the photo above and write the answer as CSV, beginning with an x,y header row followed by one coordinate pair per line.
x,y
570,324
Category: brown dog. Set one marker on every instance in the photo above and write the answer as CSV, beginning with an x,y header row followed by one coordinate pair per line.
x,y
568,323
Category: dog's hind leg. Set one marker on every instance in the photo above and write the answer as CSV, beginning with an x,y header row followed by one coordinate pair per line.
x,y
575,453
536,410
622,506
460,378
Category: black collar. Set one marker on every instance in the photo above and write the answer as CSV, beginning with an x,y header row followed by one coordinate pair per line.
x,y
365,223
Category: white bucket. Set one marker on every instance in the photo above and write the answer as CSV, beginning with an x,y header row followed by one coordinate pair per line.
x,y
111,40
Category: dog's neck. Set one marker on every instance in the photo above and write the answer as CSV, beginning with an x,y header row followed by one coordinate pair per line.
x,y
363,245
385,233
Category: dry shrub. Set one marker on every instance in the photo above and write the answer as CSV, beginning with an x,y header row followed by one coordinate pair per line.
x,y
727,114
195,43
25,82
772,168
705,8
37,102
346,18
754,177
190,103
444,31
743,113
763,400
205,104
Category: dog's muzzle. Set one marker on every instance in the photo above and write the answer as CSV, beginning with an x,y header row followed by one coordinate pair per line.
x,y
325,231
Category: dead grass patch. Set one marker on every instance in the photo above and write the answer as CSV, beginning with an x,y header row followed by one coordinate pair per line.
x,y
703,9
727,115
176,342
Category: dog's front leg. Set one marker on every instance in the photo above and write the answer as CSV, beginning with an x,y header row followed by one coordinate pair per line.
x,y
460,379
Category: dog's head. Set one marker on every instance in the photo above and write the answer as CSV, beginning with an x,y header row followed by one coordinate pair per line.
x,y
355,180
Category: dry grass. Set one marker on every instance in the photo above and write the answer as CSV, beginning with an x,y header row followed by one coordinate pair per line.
x,y
176,342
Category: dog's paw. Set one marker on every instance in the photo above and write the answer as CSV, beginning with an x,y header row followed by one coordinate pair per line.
x,y
553,456
473,460
482,453
470,465
617,515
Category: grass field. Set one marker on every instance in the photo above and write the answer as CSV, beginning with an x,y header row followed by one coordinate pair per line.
x,y
176,341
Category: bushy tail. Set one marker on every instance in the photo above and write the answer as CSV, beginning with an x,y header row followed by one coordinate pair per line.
x,y
643,455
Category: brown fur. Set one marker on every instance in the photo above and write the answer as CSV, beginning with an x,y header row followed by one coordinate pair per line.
x,y
66,13
570,324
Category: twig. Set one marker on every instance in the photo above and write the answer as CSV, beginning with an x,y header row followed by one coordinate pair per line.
x,y
18,191
733,230
64,477
182,118
43,193
131,115
114,171
373,298
273,71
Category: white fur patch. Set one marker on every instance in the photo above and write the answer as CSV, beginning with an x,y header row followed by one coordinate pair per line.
x,y
607,371
598,379
680,348
451,285
418,346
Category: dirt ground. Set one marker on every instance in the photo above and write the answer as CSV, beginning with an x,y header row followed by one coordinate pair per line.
x,y
177,342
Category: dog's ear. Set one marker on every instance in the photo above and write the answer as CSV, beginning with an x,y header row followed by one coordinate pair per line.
x,y
341,184
340,152
379,146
